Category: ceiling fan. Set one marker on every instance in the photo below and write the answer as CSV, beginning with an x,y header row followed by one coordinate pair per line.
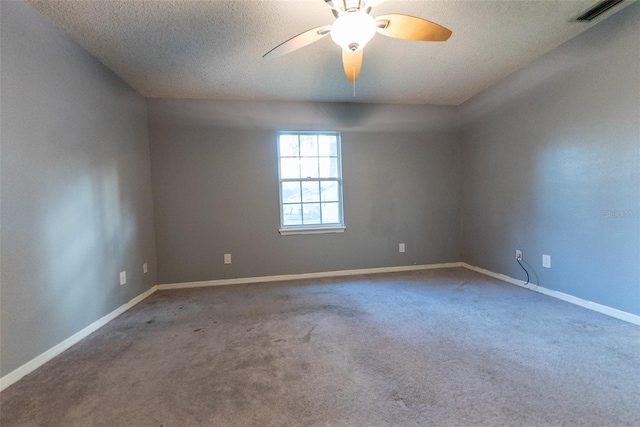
x,y
354,27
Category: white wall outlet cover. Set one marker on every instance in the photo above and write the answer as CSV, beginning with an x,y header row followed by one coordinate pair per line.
x,y
546,261
518,255
227,258
145,268
401,247
123,277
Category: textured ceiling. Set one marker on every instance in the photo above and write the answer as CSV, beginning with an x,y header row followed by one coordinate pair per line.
x,y
213,49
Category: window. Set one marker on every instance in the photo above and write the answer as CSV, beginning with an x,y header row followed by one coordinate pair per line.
x,y
310,173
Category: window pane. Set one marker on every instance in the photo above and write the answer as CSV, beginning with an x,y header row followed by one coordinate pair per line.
x,y
289,168
311,213
289,146
291,214
308,145
311,191
328,167
309,168
330,213
310,179
329,191
328,145
291,192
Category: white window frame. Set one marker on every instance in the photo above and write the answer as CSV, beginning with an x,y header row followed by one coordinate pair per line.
x,y
312,228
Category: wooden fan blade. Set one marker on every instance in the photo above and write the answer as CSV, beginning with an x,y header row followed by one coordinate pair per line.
x,y
411,28
352,62
301,40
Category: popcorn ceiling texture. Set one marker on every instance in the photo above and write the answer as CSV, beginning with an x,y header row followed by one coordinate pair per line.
x,y
213,49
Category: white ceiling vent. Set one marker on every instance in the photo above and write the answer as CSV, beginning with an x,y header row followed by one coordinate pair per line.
x,y
598,10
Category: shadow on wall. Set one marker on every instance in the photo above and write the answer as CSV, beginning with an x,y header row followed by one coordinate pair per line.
x,y
87,232
347,115
294,116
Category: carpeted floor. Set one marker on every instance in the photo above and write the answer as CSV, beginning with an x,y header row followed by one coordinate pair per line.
x,y
442,347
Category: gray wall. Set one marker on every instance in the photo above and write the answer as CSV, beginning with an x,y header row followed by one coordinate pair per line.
x,y
215,187
551,164
76,188
548,162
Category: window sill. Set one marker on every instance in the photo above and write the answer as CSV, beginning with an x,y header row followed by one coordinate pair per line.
x,y
312,230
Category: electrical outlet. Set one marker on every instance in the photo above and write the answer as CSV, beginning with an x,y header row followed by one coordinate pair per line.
x,y
546,261
227,258
518,255
401,247
123,278
145,268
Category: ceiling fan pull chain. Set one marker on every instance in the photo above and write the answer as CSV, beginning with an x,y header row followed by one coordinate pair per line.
x,y
354,81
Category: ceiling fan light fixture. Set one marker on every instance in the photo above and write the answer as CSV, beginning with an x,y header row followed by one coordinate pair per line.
x,y
353,30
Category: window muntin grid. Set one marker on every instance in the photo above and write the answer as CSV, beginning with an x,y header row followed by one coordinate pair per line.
x,y
310,173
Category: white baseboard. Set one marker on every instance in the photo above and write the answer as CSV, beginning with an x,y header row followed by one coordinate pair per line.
x,y
323,274
33,364
609,311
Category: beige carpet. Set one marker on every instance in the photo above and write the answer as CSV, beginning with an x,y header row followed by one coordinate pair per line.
x,y
443,347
